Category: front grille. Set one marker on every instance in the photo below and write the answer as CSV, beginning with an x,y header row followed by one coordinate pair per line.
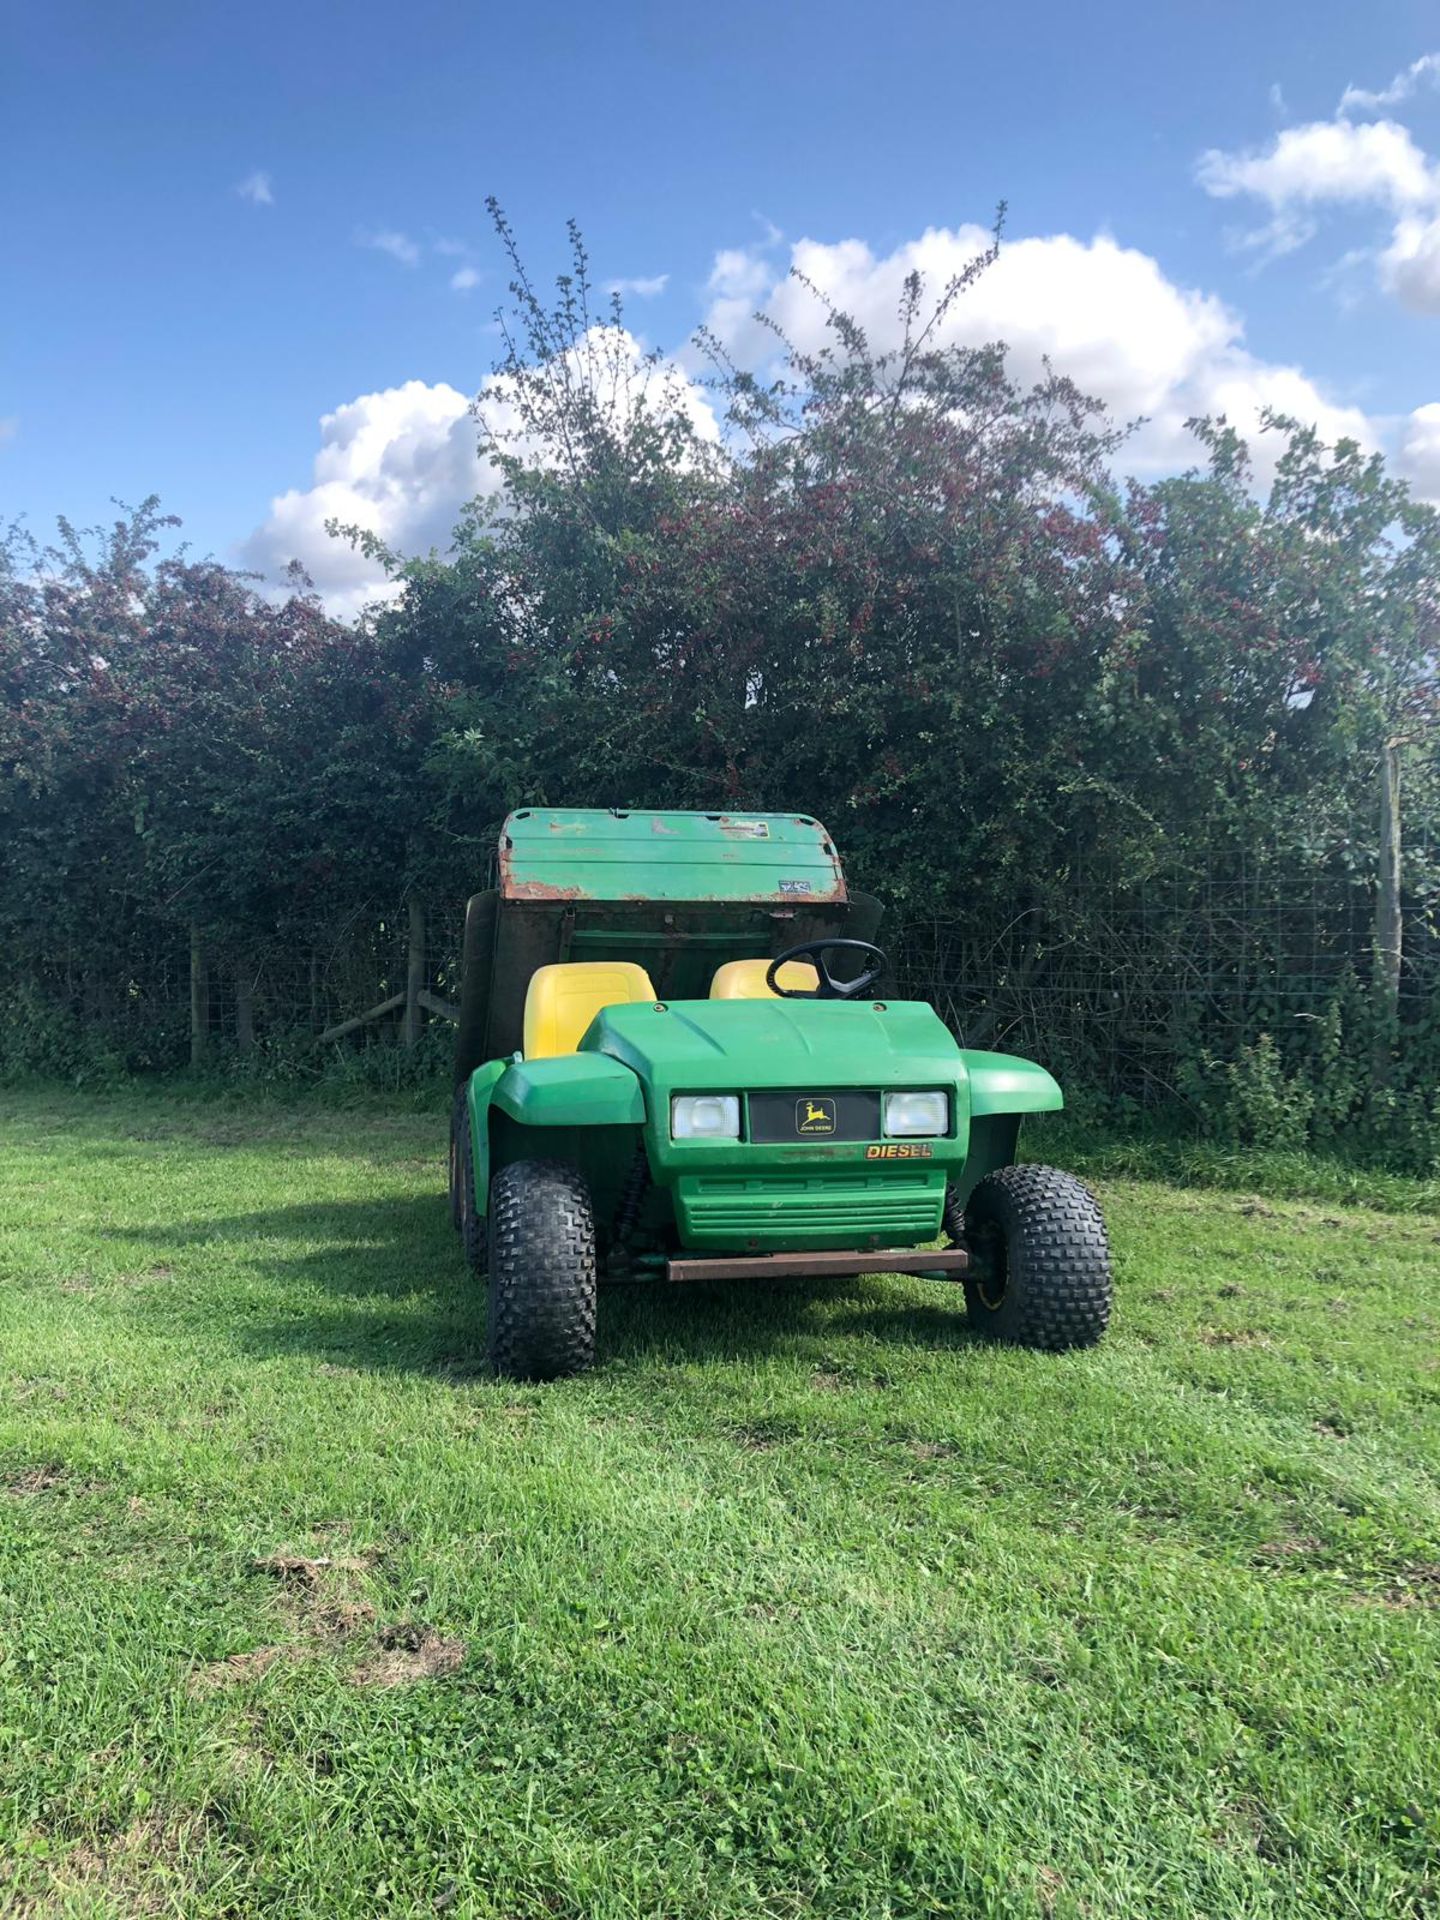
x,y
781,1118
898,1207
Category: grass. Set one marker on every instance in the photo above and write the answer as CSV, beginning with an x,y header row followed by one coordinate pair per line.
x,y
803,1604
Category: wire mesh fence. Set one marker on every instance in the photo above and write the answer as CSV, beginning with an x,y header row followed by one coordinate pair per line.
x,y
1131,980
1123,984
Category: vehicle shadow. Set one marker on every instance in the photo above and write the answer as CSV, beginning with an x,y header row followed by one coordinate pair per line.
x,y
381,1285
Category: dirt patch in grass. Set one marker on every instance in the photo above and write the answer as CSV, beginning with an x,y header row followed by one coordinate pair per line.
x,y
1242,1827
1418,1586
328,1614
324,1625
49,1477
237,1669
36,1480
319,1594
1277,1552
144,1869
338,1619
1049,1888
303,1575
407,1652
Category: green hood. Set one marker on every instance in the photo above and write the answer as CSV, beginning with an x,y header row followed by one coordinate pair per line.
x,y
695,1045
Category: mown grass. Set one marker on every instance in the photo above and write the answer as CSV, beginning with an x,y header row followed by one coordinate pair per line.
x,y
803,1604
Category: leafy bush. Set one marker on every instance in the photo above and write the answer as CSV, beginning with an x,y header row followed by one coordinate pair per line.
x,y
1260,1104
43,1042
903,591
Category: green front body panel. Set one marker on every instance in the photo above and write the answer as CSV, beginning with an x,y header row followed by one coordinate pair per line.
x,y
816,1194
748,1196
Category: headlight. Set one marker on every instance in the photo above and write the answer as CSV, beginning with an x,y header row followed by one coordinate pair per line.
x,y
908,1115
705,1116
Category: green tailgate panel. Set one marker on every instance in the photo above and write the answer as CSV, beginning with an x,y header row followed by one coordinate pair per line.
x,y
563,854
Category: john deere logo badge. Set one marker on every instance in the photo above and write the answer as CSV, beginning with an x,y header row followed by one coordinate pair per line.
x,y
814,1116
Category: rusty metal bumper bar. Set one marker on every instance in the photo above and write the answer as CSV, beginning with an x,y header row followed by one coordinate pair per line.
x,y
952,1264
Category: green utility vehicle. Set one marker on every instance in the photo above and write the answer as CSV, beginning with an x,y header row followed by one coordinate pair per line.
x,y
676,1061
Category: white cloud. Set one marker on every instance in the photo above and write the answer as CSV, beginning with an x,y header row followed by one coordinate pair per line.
x,y
9,428
1104,314
739,280
1328,160
1337,162
644,287
401,463
1419,456
397,463
399,246
1278,100
258,188
450,249
1421,72
1410,265
739,272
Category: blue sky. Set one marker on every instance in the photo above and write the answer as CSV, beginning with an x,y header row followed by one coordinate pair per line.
x,y
223,223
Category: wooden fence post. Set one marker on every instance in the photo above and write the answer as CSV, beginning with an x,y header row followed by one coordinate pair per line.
x,y
199,998
414,974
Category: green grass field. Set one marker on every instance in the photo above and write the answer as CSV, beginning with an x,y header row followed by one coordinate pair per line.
x,y
803,1604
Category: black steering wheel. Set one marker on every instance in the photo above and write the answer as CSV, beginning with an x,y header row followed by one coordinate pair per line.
x,y
828,987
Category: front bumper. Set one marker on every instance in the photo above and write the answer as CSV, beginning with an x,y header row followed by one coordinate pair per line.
x,y
952,1264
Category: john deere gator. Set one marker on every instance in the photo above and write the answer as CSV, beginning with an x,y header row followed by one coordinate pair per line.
x,y
678,1060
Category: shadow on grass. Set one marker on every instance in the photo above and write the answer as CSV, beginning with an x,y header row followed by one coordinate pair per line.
x,y
382,1285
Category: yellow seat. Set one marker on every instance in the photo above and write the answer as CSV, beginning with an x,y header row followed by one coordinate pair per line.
x,y
562,1000
745,979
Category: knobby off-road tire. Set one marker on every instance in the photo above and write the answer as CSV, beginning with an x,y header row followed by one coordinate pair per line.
x,y
1042,1275
542,1271
463,1208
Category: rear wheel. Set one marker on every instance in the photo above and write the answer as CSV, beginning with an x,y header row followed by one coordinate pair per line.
x,y
542,1271
1041,1275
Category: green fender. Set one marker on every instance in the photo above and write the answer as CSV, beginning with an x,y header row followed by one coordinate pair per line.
x,y
573,1090
1001,1083
1003,1089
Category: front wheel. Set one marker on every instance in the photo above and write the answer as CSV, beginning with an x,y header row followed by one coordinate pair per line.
x,y
1041,1275
542,1271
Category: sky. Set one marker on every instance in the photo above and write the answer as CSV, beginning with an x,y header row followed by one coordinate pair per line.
x,y
248,267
